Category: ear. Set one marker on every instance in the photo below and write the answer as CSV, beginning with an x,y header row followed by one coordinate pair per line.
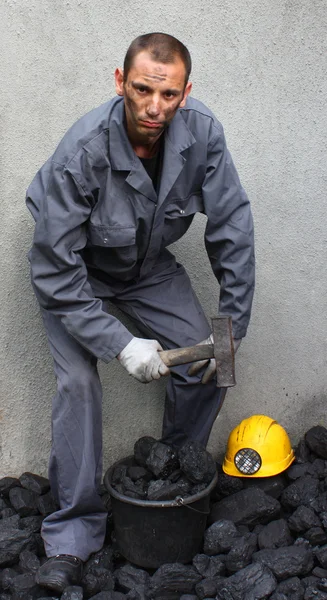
x,y
119,80
187,91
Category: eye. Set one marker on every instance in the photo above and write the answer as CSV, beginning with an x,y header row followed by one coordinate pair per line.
x,y
141,89
170,95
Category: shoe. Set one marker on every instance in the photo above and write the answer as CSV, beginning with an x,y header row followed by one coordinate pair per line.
x,y
60,571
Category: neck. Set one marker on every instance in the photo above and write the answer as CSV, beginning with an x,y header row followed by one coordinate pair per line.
x,y
148,149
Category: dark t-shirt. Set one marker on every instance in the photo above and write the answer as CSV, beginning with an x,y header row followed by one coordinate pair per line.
x,y
153,166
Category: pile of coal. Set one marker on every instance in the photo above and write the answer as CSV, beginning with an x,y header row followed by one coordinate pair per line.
x,y
159,471
265,538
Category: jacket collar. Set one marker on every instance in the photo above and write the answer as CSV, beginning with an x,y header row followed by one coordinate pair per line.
x,y
178,138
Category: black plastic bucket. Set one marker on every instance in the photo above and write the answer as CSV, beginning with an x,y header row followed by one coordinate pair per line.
x,y
152,533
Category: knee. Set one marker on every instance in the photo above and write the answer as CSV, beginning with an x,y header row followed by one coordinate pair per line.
x,y
181,374
78,381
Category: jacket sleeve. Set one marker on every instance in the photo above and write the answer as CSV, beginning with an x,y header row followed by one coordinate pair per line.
x,y
229,236
61,207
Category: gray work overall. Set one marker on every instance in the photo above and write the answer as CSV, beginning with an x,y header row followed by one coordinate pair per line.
x,y
101,234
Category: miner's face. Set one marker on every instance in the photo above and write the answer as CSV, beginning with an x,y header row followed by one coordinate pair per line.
x,y
152,92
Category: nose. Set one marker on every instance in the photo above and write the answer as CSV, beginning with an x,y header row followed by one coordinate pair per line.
x,y
153,109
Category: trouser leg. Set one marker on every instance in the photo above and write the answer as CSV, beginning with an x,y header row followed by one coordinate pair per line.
x,y
190,407
165,307
75,468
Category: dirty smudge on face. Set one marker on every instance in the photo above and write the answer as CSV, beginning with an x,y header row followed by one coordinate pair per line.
x,y
159,74
155,77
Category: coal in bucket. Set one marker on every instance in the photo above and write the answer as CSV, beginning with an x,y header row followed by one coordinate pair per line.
x,y
152,533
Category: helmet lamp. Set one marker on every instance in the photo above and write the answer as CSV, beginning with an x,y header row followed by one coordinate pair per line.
x,y
247,461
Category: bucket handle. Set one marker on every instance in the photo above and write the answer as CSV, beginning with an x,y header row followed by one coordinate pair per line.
x,y
180,501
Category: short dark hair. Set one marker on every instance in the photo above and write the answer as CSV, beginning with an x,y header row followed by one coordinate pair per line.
x,y
163,48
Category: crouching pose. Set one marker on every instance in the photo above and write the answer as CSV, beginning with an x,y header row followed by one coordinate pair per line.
x,y
125,183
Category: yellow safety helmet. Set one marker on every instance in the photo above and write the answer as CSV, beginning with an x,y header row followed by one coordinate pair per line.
x,y
258,447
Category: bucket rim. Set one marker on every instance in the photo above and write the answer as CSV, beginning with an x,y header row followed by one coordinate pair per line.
x,y
154,503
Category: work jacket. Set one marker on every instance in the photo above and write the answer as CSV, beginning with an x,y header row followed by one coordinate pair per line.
x,y
98,215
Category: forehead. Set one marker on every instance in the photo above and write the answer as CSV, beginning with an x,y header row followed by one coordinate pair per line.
x,y
152,72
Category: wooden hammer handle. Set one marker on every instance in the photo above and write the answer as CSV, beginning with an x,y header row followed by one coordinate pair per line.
x,y
181,356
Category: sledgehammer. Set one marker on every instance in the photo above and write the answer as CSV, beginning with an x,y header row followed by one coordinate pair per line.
x,y
222,350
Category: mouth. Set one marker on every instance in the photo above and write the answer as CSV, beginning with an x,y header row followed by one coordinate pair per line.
x,y
151,124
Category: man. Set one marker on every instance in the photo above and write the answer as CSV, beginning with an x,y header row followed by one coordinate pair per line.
x,y
123,184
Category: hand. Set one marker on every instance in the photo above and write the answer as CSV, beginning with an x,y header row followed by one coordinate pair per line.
x,y
141,359
211,363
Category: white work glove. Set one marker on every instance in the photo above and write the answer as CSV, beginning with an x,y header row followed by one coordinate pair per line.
x,y
141,359
211,362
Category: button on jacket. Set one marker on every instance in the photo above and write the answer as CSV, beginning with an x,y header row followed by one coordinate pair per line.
x,y
97,214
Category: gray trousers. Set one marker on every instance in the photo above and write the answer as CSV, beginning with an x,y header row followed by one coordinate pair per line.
x,y
164,307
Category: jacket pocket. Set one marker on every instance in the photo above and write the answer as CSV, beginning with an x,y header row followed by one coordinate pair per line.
x,y
113,249
111,237
185,207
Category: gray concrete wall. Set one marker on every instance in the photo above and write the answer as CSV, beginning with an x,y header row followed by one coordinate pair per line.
x,y
261,66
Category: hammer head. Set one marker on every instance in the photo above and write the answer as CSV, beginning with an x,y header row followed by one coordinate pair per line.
x,y
223,347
